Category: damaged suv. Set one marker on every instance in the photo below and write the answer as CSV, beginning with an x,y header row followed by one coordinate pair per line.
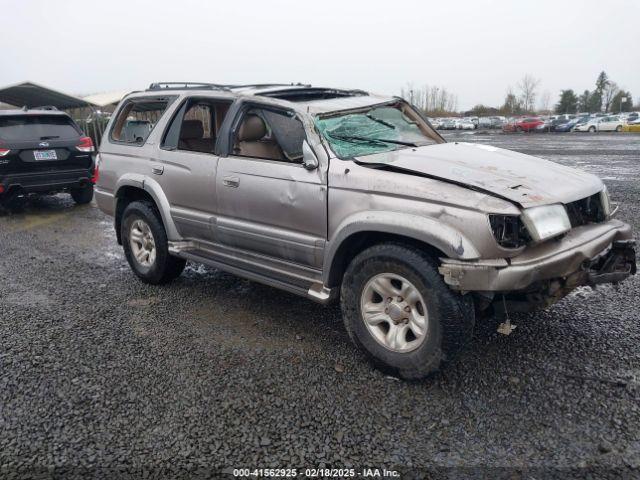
x,y
332,193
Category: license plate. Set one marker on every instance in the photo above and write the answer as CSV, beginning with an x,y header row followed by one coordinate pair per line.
x,y
45,155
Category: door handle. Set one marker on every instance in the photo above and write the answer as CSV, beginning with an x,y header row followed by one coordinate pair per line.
x,y
231,181
157,169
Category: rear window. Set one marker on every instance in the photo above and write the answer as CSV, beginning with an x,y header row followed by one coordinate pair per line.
x,y
137,118
37,127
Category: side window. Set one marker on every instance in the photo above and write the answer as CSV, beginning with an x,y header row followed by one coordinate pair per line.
x,y
269,134
137,118
195,126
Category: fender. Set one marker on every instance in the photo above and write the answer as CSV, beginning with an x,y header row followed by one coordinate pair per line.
x,y
428,230
155,191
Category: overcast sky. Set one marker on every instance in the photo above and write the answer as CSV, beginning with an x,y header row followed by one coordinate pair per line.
x,y
475,48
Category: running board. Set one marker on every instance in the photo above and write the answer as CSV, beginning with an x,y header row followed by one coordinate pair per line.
x,y
316,292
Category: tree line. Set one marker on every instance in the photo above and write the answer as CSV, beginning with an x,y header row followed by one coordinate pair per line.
x,y
607,96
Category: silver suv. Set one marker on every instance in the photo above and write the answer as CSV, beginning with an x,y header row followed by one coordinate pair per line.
x,y
331,193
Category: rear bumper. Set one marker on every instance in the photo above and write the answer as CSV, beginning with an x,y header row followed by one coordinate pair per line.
x,y
45,181
602,253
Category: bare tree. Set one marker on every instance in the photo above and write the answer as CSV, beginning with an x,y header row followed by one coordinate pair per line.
x,y
609,92
545,101
432,99
528,87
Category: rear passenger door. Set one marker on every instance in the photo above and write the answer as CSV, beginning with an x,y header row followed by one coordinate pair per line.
x,y
187,163
268,203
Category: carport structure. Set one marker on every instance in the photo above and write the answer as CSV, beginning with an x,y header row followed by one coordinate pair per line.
x,y
85,112
30,94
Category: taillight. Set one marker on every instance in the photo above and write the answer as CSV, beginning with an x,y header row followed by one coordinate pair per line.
x,y
4,151
86,145
96,170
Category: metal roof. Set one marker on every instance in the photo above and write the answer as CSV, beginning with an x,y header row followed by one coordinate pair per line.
x,y
106,98
31,94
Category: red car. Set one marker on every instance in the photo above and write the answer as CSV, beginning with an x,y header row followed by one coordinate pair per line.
x,y
526,124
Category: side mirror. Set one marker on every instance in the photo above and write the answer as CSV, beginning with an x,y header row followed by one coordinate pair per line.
x,y
309,159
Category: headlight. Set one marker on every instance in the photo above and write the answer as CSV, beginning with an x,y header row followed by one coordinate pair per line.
x,y
509,231
606,202
546,222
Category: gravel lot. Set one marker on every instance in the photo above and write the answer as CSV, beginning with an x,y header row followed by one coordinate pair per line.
x,y
103,375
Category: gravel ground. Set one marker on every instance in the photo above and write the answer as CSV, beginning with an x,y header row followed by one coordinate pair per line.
x,y
102,375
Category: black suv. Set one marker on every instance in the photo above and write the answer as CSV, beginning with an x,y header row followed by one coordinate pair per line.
x,y
44,151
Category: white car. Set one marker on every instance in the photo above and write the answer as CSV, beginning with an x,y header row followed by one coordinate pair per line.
x,y
601,124
465,124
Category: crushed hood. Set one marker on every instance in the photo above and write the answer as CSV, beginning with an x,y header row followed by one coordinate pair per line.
x,y
524,179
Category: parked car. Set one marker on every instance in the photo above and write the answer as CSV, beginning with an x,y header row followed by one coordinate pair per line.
x,y
448,124
601,124
568,126
485,122
632,117
527,124
332,193
43,151
466,124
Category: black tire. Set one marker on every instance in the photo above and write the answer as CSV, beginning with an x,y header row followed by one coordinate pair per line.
x,y
592,129
619,128
165,268
451,316
82,195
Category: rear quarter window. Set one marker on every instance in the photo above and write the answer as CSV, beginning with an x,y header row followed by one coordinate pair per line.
x,y
21,128
137,118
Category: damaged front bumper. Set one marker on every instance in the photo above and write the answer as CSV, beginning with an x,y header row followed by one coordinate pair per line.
x,y
587,255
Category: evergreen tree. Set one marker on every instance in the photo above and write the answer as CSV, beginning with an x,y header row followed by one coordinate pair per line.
x,y
568,102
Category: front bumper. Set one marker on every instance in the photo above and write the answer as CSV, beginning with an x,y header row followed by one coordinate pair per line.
x,y
592,254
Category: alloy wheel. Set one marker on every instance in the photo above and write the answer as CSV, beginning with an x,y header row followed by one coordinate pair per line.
x,y
394,312
142,243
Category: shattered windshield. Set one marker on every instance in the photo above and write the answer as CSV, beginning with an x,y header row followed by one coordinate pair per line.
x,y
379,129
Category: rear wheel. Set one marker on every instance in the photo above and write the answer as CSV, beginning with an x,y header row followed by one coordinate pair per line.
x,y
82,195
146,246
619,128
399,311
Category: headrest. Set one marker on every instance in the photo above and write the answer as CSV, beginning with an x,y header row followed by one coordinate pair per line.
x,y
252,129
191,129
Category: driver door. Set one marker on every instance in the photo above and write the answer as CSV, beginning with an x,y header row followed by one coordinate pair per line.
x,y
269,204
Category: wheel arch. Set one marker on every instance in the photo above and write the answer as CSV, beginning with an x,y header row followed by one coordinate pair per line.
x,y
139,190
359,233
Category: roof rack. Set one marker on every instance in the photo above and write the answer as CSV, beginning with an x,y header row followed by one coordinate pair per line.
x,y
269,85
186,85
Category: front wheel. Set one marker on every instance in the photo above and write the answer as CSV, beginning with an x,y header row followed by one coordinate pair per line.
x,y
146,246
592,129
82,195
398,310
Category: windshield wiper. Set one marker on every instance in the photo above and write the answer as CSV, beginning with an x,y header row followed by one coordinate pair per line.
x,y
355,138
49,137
380,121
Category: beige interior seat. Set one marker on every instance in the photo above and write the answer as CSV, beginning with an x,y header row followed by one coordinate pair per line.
x,y
191,137
251,141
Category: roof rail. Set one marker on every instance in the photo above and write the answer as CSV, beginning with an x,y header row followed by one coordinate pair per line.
x,y
186,85
268,85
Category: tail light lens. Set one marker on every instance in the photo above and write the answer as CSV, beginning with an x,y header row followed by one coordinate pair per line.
x,y
86,145
4,151
96,170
